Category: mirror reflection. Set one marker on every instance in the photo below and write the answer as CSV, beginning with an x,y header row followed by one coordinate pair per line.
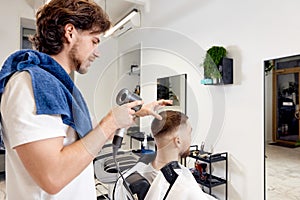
x,y
173,88
282,127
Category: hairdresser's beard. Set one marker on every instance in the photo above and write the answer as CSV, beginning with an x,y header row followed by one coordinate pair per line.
x,y
78,65
186,153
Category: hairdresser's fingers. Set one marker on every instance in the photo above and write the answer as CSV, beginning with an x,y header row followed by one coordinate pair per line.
x,y
134,104
157,105
164,102
154,114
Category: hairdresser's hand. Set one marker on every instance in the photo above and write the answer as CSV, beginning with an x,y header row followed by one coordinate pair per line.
x,y
151,108
118,117
123,116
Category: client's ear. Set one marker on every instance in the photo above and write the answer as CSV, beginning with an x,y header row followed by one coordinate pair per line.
x,y
177,142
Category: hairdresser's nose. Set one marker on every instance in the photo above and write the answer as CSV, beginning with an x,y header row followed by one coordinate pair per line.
x,y
96,52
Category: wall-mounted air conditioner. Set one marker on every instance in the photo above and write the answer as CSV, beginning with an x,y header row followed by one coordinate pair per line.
x,y
130,21
123,29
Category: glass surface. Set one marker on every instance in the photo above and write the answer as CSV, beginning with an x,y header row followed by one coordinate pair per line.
x,y
173,88
289,62
26,44
287,107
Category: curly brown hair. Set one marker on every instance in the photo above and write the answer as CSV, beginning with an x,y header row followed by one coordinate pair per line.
x,y
171,120
52,18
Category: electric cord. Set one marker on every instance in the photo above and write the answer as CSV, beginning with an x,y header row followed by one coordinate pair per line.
x,y
114,189
115,151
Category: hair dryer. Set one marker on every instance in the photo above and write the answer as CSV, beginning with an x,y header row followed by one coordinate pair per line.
x,y
123,97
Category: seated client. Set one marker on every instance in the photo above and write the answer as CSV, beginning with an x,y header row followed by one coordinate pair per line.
x,y
164,177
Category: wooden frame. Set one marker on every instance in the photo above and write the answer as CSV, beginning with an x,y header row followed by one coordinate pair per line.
x,y
275,102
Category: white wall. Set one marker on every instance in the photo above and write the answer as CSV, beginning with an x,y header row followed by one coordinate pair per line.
x,y
252,31
11,12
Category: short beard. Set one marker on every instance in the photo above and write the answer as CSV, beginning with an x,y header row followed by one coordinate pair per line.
x,y
73,56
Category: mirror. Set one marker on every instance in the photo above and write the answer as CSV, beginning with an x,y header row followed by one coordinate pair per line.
x,y
173,88
282,130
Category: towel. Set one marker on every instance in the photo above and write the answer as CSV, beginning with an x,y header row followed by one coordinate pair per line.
x,y
54,91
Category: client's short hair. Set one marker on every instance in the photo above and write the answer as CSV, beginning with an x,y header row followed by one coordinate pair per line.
x,y
171,120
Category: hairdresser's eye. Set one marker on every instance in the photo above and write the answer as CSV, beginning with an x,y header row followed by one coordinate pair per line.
x,y
96,41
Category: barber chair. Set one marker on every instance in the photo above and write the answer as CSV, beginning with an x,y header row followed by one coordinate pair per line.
x,y
105,168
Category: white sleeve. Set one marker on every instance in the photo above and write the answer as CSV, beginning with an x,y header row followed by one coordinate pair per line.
x,y
20,122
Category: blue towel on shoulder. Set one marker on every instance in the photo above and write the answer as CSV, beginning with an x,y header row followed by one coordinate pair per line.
x,y
53,89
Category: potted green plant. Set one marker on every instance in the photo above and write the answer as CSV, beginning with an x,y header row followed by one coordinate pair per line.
x,y
212,60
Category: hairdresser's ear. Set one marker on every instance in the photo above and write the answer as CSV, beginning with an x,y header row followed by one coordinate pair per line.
x,y
69,32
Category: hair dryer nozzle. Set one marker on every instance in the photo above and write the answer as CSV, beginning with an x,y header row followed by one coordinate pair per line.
x,y
125,96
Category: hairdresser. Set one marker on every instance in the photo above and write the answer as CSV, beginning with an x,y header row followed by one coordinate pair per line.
x,y
49,138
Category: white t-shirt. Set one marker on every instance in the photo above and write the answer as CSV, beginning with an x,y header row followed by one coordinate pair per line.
x,y
20,126
184,188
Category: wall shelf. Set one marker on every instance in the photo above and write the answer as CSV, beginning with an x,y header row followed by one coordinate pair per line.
x,y
209,81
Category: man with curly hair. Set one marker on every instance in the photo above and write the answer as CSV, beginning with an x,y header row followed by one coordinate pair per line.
x,y
48,134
